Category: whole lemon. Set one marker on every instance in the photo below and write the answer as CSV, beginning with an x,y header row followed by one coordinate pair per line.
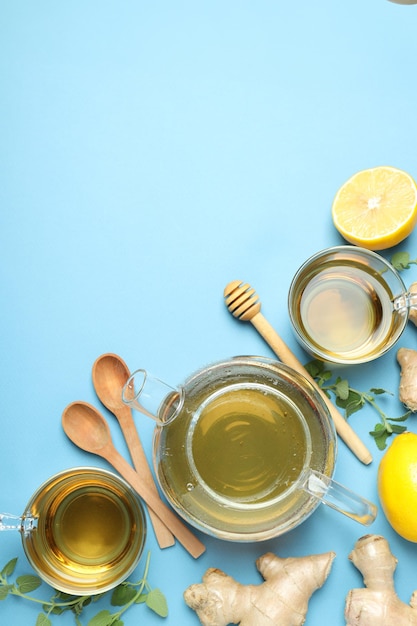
x,y
397,485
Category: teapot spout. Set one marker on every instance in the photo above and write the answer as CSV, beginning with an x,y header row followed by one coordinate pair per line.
x,y
151,396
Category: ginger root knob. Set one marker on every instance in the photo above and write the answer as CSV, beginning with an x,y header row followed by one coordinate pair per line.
x,y
378,603
281,600
407,359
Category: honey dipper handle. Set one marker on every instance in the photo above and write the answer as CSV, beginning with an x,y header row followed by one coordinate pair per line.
x,y
283,352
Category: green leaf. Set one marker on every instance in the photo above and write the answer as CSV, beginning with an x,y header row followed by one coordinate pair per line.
x,y
43,620
402,418
28,583
401,261
156,601
122,595
354,402
314,368
380,434
381,442
397,429
9,568
378,391
4,591
342,389
141,599
378,430
104,618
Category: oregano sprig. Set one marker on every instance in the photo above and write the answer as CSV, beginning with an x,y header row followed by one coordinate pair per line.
x,y
124,596
352,400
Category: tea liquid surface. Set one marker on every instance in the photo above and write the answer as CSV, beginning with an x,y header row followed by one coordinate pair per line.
x,y
90,532
247,444
89,528
346,311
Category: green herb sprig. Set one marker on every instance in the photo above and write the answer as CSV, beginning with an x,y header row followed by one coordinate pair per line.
x,y
401,261
352,400
124,596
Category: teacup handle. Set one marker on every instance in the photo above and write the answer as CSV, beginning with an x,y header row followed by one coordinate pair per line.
x,y
340,498
406,301
24,524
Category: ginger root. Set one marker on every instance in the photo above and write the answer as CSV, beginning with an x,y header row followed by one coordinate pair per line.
x,y
281,600
378,603
407,359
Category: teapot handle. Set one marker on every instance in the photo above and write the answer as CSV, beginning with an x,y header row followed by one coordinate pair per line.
x,y
340,498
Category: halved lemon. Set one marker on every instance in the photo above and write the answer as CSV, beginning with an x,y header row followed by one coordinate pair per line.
x,y
376,208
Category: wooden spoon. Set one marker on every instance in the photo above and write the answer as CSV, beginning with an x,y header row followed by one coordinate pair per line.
x,y
243,303
88,430
110,373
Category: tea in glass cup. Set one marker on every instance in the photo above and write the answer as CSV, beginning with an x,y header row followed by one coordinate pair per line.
x,y
83,530
348,305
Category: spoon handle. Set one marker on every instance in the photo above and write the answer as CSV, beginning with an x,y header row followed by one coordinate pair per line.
x,y
163,535
344,430
186,538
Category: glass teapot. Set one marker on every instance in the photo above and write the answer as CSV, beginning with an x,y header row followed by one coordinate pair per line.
x,y
245,449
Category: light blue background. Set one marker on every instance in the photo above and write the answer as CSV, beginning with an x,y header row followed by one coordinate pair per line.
x,y
151,153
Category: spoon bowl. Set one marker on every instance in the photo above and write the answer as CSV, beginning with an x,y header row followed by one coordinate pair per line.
x,y
86,427
110,374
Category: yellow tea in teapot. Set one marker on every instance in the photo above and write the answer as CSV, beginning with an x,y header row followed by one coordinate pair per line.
x,y
232,460
247,444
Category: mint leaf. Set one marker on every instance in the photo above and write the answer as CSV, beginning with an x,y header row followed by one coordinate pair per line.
x,y
28,583
380,434
156,601
9,568
104,618
378,391
397,429
122,595
401,261
43,620
342,389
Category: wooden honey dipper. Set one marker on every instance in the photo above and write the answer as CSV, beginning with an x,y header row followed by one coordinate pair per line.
x,y
243,303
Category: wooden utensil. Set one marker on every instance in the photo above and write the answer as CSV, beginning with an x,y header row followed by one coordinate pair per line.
x,y
110,373
87,429
243,303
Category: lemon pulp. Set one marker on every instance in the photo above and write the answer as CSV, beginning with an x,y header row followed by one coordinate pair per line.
x,y
376,208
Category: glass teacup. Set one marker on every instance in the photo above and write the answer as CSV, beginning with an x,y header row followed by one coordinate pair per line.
x,y
348,305
83,530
